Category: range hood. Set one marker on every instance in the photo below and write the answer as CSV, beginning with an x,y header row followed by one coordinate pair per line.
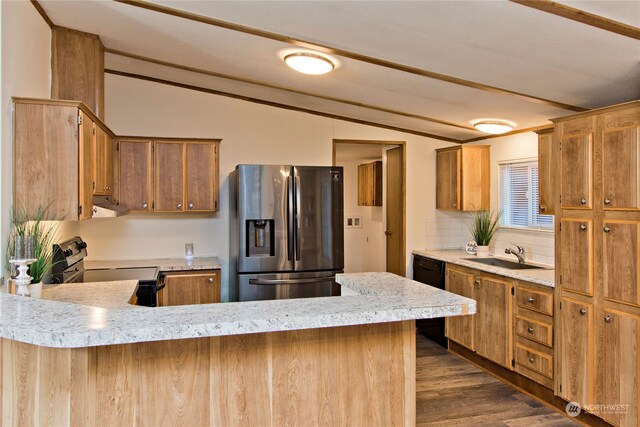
x,y
103,207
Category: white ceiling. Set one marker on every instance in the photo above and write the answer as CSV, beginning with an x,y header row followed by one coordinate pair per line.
x,y
495,43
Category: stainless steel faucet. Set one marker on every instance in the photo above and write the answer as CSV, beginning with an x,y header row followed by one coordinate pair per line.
x,y
518,254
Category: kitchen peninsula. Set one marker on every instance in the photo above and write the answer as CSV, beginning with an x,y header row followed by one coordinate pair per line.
x,y
347,360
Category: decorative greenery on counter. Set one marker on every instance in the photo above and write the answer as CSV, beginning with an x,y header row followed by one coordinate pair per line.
x,y
485,224
35,224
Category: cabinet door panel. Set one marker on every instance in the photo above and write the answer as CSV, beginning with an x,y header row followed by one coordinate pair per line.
x,y
460,329
493,320
186,289
621,258
545,174
99,172
200,176
135,174
576,347
108,165
169,177
620,379
86,166
448,179
575,171
576,254
620,159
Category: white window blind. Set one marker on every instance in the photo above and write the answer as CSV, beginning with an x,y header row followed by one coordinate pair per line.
x,y
519,198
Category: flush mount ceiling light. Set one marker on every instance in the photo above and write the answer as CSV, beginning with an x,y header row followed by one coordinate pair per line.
x,y
309,63
494,126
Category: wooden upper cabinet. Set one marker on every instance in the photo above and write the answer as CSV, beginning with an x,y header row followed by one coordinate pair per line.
x,y
461,329
621,252
494,333
169,176
546,171
619,379
575,369
576,255
134,174
370,184
200,176
191,288
621,159
104,168
576,162
77,68
462,178
54,154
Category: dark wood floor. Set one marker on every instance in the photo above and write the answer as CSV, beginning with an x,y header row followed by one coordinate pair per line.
x,y
452,392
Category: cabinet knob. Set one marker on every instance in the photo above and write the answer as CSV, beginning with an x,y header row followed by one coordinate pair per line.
x,y
477,282
606,229
607,319
543,208
531,359
455,205
210,280
179,206
583,227
583,201
530,330
531,300
583,311
190,205
607,201
145,206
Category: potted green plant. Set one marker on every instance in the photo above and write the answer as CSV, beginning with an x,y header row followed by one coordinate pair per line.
x,y
485,223
45,234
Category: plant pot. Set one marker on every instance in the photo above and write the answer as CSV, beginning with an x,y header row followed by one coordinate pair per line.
x,y
482,251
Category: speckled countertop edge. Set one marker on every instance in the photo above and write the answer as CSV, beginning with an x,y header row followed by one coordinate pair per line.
x,y
545,277
382,297
164,264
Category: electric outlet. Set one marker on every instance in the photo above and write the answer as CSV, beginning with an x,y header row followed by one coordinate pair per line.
x,y
188,249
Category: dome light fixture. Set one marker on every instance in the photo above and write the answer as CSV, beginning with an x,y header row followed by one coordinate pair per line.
x,y
493,126
309,63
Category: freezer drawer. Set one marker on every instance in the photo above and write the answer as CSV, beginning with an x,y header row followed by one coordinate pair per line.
x,y
255,287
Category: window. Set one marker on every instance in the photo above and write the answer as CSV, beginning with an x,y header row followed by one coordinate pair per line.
x,y
519,197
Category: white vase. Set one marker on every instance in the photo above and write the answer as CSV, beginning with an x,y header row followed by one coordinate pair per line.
x,y
482,251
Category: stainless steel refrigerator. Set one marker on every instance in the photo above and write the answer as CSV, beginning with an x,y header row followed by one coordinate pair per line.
x,y
286,234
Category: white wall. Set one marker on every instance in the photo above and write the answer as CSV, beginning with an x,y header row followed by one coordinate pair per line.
x,y
364,248
250,133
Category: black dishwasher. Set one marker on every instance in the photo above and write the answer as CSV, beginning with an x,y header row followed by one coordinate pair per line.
x,y
430,272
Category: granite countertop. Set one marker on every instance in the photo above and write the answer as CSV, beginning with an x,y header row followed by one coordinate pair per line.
x,y
373,298
164,264
545,276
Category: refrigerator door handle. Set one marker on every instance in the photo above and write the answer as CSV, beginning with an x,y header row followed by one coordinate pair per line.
x,y
289,281
290,217
297,217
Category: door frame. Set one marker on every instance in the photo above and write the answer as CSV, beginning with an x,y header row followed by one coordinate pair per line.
x,y
403,147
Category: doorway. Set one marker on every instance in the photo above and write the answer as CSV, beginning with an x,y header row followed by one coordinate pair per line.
x,y
374,229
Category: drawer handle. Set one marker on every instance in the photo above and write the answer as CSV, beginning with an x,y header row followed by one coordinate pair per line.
x,y
583,227
531,359
145,206
210,280
583,311
179,206
583,201
607,319
531,300
190,205
530,330
607,201
606,229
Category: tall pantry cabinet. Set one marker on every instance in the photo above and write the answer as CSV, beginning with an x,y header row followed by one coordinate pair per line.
x,y
598,261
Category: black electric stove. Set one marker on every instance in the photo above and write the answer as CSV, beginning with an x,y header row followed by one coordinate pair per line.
x,y
68,267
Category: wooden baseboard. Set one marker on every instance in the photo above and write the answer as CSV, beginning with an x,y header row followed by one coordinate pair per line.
x,y
525,385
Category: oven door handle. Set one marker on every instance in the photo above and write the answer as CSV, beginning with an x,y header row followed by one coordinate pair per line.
x,y
290,281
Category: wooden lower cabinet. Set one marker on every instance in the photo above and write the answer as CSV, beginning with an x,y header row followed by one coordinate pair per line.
x,y
494,332
460,329
575,368
186,288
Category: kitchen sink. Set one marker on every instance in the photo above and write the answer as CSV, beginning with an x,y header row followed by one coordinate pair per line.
x,y
503,263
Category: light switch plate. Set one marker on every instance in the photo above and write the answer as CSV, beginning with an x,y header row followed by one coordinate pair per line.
x,y
188,250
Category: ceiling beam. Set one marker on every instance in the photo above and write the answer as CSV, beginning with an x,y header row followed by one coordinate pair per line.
x,y
582,17
278,105
42,13
345,53
286,89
